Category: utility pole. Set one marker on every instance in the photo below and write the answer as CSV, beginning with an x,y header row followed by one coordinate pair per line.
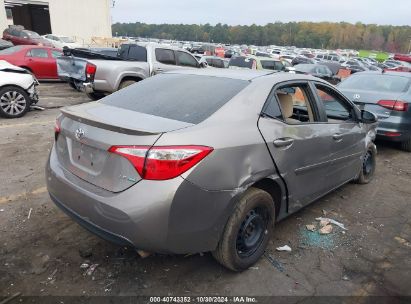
x,y
409,47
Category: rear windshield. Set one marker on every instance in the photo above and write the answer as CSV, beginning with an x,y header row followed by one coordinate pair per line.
x,y
377,82
241,62
271,65
11,50
187,98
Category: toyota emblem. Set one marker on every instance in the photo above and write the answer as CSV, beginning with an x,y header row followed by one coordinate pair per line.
x,y
79,133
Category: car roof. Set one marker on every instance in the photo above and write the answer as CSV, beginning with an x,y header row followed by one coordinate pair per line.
x,y
26,47
244,74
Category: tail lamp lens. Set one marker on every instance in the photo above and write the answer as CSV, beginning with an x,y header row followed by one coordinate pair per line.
x,y
57,129
90,69
162,163
394,105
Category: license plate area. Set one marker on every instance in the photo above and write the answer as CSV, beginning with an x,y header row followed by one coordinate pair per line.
x,y
87,158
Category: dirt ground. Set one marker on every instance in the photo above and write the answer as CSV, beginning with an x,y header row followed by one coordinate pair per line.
x,y
42,250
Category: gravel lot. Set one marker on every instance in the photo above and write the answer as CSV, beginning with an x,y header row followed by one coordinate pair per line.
x,y
42,249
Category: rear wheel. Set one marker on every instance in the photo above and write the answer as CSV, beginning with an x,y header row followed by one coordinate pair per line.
x,y
14,102
247,231
368,166
95,96
406,145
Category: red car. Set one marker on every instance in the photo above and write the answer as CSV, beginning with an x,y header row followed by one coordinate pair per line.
x,y
403,57
19,36
400,69
41,61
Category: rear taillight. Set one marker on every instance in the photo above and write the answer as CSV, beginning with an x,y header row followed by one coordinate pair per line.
x,y
161,163
394,105
90,70
57,129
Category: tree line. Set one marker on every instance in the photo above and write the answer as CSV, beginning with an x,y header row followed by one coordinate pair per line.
x,y
300,34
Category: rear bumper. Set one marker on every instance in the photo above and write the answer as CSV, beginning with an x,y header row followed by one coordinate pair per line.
x,y
394,129
101,232
171,216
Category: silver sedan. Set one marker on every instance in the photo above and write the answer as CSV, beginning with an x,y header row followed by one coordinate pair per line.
x,y
208,160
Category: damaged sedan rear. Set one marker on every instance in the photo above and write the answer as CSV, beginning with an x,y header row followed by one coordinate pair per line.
x,y
197,161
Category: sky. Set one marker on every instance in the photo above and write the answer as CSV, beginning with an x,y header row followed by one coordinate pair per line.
x,y
246,12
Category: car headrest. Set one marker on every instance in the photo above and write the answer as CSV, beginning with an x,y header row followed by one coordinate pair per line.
x,y
286,103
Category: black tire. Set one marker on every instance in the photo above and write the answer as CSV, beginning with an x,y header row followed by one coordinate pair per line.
x,y
406,145
14,102
368,166
73,85
76,85
252,220
126,83
95,96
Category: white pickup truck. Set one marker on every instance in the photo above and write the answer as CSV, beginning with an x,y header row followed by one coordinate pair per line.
x,y
100,73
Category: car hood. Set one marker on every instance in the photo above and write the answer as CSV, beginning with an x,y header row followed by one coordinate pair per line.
x,y
12,75
7,67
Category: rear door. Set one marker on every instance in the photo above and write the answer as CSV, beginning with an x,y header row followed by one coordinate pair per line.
x,y
298,141
39,62
344,134
165,60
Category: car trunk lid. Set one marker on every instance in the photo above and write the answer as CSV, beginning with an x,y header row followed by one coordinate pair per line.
x,y
88,131
368,100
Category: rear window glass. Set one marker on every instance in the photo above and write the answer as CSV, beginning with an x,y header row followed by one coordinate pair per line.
x,y
241,62
272,65
377,82
137,53
11,50
188,98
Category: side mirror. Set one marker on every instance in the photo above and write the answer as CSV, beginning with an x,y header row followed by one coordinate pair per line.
x,y
203,64
368,117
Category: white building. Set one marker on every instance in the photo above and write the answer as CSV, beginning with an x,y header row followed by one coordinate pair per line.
x,y
80,19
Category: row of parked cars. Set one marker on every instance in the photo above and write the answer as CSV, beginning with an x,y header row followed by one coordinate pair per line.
x,y
99,72
199,158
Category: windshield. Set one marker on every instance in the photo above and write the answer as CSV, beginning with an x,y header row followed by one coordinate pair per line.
x,y
66,39
11,50
188,98
242,62
377,82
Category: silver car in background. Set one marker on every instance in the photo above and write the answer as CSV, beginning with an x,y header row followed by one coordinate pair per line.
x,y
207,160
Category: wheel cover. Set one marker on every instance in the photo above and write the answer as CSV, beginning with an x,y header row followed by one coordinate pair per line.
x,y
252,231
13,103
368,163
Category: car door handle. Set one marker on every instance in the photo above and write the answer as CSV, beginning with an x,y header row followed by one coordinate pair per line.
x,y
283,142
337,137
